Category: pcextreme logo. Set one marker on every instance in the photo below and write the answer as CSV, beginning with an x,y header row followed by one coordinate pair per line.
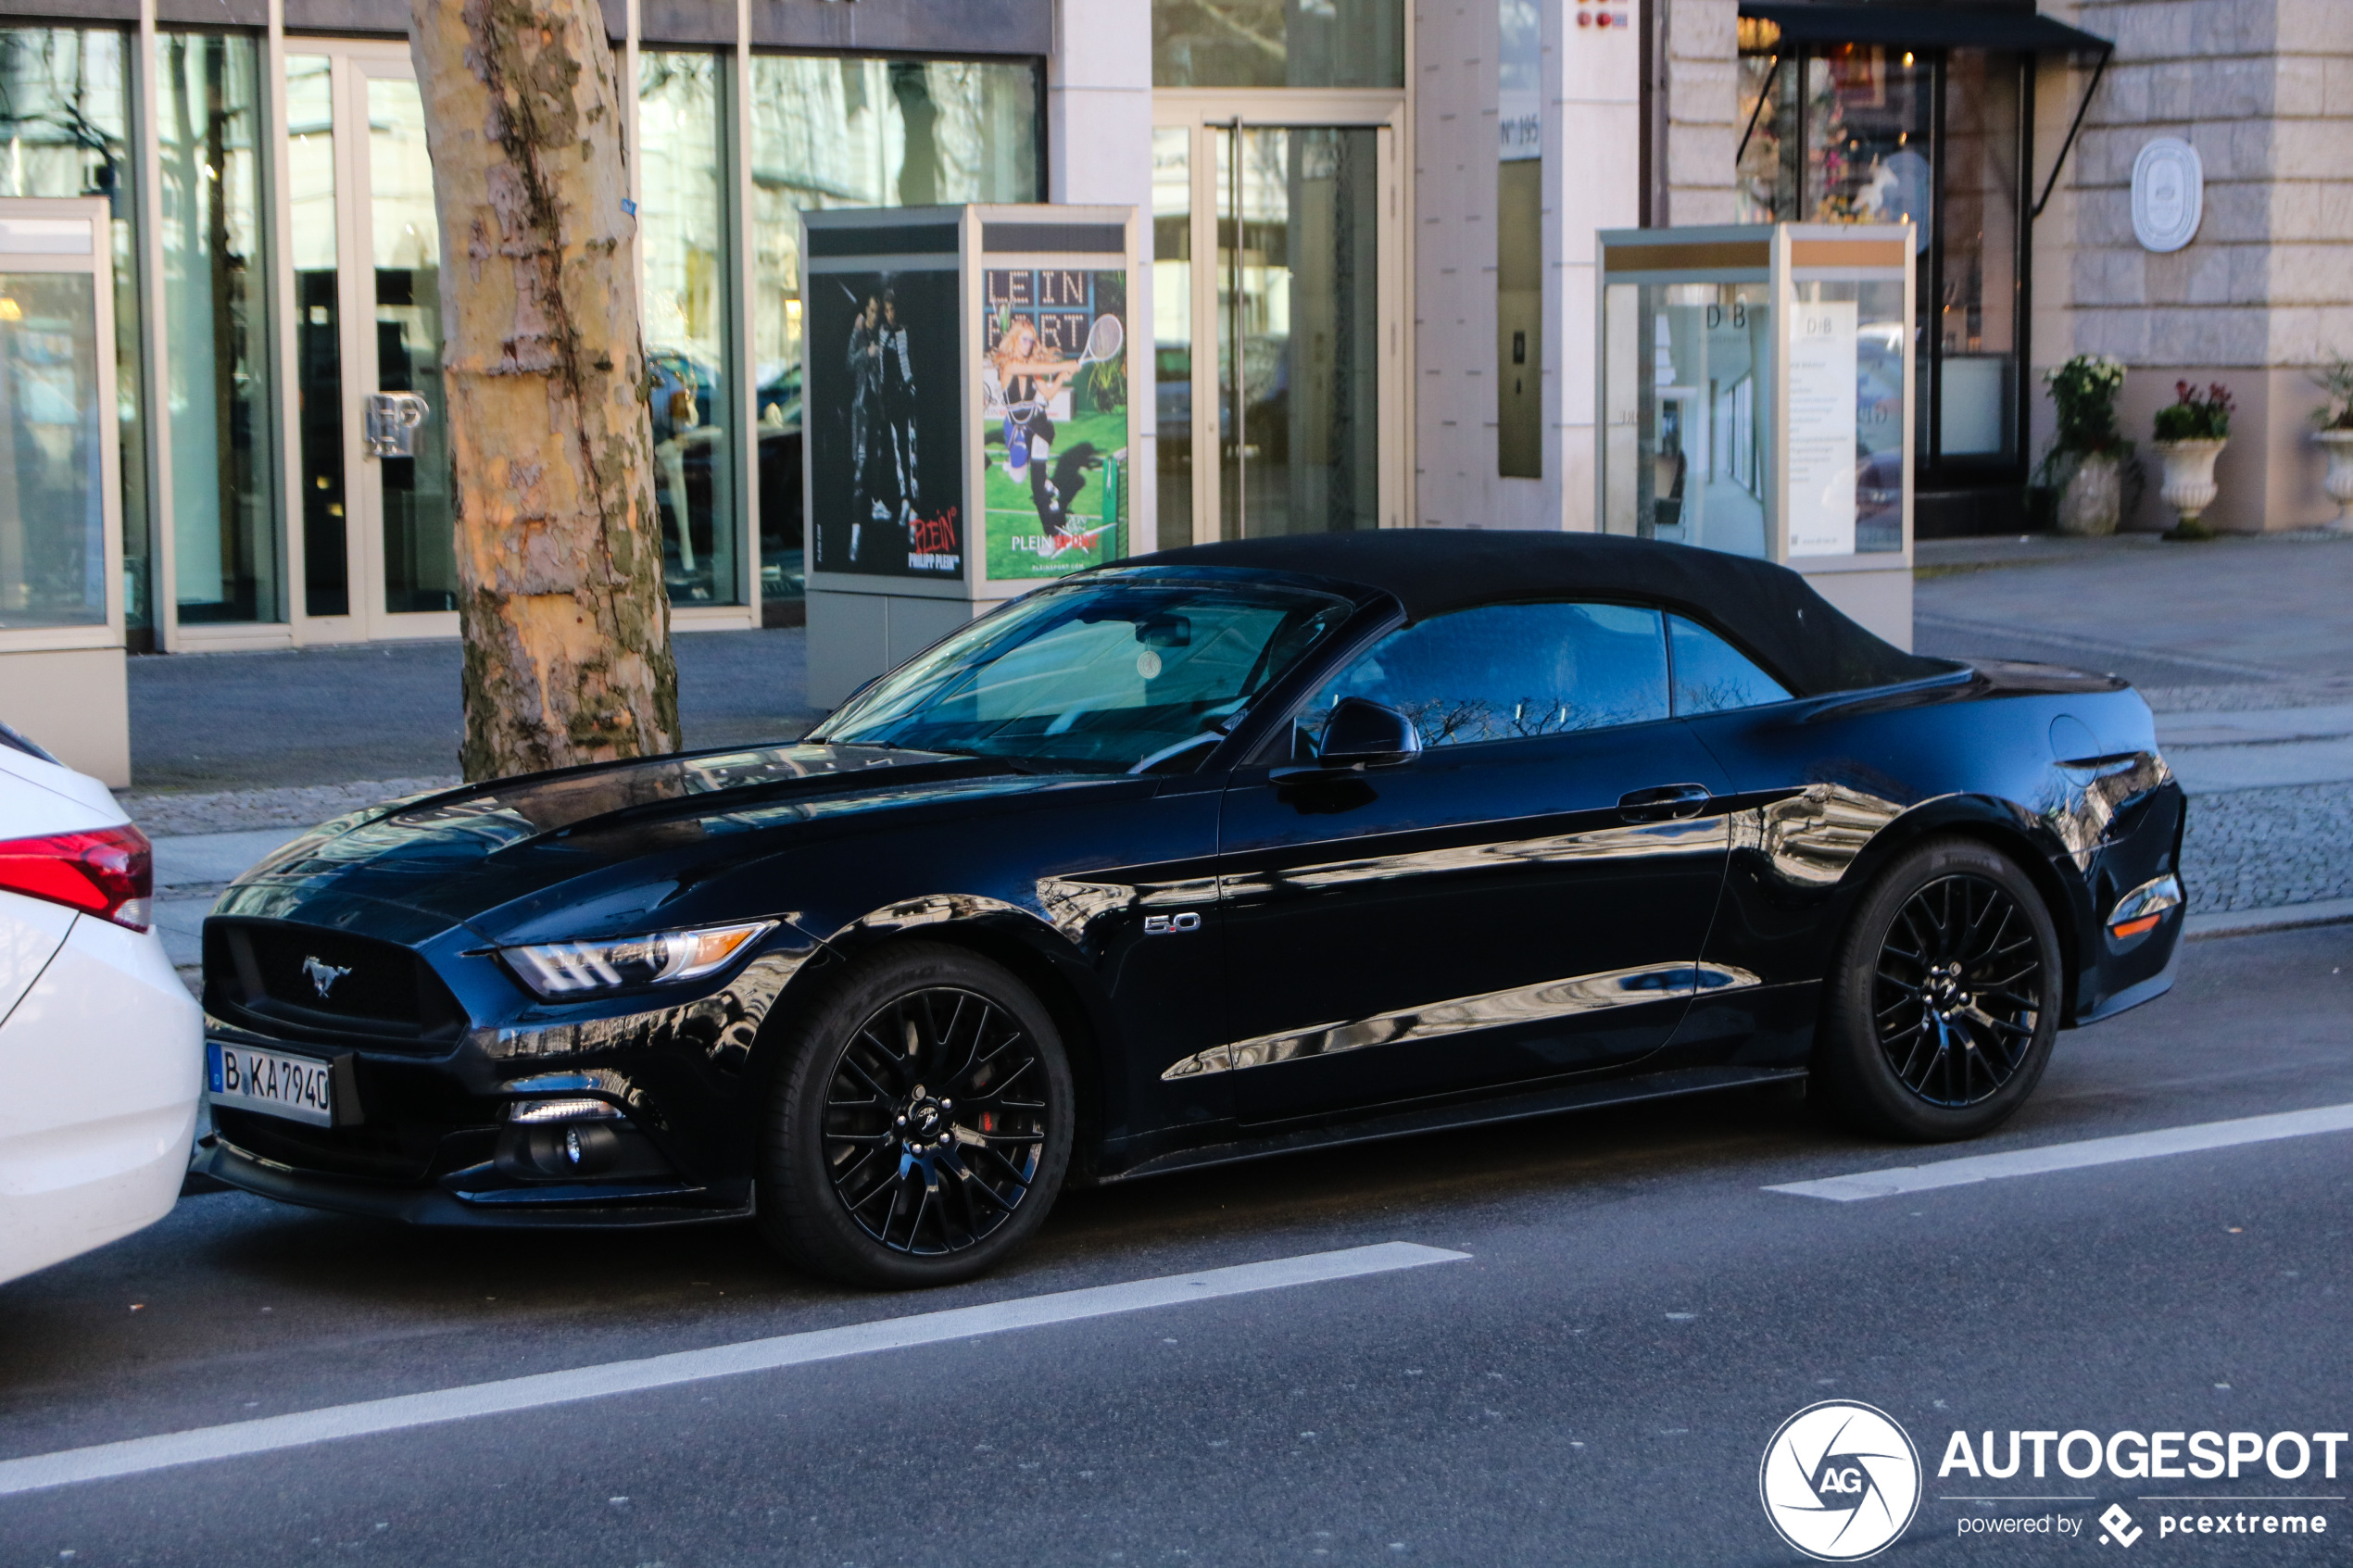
x,y
1839,1481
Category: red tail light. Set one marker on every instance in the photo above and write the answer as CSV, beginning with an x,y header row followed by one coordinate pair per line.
x,y
107,871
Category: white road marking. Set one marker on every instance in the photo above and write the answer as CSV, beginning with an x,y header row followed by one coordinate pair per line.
x,y
141,1455
2073,1156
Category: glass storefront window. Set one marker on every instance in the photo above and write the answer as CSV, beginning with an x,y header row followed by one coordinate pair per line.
x,y
1867,133
1278,43
217,348
310,165
65,115
1852,135
1976,309
829,132
53,540
683,250
1762,181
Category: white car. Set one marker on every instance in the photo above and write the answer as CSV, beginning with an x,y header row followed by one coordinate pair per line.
x,y
101,1046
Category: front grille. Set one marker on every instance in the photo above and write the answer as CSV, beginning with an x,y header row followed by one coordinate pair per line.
x,y
274,975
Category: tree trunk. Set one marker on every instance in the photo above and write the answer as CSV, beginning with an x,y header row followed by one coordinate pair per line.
x,y
559,590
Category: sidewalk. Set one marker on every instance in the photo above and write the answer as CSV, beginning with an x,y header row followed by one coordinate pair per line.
x,y
2245,648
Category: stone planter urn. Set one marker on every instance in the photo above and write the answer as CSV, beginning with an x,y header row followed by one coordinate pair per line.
x,y
2189,486
2092,498
2338,443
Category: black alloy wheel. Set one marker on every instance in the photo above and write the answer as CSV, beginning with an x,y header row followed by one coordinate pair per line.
x,y
924,1122
936,1121
1940,1014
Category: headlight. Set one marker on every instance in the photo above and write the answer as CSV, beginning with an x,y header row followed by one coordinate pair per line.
x,y
571,970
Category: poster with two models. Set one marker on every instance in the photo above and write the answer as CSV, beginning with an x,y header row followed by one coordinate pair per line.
x,y
1054,420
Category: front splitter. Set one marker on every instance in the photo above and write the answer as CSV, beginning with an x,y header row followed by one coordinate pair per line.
x,y
587,1207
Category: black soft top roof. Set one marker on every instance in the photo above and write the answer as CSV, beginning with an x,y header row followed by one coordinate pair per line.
x,y
1768,610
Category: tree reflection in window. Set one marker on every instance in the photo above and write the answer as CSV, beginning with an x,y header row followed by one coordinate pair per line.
x,y
1510,672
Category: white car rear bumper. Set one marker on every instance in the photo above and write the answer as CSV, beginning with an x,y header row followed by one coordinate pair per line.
x,y
101,1069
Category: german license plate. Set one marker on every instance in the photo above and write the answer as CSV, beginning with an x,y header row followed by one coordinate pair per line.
x,y
300,1089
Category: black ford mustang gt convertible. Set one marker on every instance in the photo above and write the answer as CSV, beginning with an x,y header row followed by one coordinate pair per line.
x,y
1226,851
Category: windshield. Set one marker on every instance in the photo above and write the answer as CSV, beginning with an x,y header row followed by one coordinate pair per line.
x,y
1105,676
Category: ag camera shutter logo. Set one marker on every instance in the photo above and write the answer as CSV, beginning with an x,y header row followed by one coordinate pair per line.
x,y
1839,1481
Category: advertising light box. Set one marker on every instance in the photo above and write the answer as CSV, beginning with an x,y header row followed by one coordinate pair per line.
x,y
970,428
1755,389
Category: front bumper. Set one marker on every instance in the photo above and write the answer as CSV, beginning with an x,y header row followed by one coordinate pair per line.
x,y
426,1134
453,1202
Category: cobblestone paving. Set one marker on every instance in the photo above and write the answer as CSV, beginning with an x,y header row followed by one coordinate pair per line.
x,y
2261,849
2248,698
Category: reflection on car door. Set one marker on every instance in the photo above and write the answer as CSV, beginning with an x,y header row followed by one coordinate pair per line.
x,y
1497,910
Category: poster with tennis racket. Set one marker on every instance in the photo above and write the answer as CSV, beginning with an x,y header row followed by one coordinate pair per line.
x,y
1053,413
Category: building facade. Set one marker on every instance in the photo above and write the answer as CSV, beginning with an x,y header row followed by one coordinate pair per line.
x,y
1371,286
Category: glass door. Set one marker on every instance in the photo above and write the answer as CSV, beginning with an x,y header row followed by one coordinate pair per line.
x,y
372,470
1278,338
404,413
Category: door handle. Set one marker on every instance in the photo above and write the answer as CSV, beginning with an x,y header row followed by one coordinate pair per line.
x,y
1666,803
390,428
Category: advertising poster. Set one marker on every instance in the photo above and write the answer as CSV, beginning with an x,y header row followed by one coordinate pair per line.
x,y
1054,372
884,464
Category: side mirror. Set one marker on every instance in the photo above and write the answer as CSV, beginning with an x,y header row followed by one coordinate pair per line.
x,y
1365,734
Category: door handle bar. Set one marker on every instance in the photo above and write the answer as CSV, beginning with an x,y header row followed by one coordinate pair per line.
x,y
1665,803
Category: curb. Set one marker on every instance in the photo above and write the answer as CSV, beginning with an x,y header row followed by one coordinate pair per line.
x,y
2287,916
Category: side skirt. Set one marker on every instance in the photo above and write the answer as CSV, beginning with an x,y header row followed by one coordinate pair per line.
x,y
1470,1113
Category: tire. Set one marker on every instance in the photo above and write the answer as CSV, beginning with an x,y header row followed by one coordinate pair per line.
x,y
919,1124
1938,1014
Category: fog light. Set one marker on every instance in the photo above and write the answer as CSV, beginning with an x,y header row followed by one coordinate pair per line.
x,y
583,1148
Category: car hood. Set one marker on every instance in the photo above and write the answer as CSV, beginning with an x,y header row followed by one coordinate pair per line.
x,y
618,848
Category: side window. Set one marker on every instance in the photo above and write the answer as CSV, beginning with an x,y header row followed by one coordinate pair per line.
x,y
1506,671
1712,676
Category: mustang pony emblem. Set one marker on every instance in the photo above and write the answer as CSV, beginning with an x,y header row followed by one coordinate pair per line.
x,y
322,976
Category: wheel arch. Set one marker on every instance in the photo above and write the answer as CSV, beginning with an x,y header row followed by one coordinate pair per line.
x,y
1998,824
1013,939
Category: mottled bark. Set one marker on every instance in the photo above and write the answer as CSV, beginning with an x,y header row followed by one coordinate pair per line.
x,y
567,626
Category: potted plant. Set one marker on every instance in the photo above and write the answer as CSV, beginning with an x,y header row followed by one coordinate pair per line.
x,y
2191,433
2334,418
2085,465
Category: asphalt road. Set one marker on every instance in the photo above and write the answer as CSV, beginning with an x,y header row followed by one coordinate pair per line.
x,y
1593,1383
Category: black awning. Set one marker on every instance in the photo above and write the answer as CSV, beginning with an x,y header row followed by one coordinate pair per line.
x,y
1925,27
